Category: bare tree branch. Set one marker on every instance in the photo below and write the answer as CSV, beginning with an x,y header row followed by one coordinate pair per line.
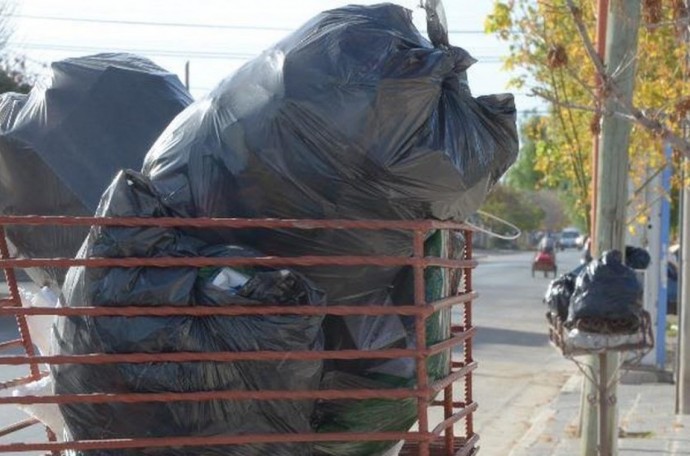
x,y
587,41
629,111
548,97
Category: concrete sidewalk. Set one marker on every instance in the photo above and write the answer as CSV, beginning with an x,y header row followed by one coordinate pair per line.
x,y
647,424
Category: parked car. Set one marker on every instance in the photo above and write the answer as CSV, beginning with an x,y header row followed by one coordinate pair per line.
x,y
568,238
581,241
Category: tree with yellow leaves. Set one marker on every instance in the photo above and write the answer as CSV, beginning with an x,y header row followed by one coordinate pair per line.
x,y
548,49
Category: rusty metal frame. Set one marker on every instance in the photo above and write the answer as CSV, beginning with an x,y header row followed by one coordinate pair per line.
x,y
558,333
437,441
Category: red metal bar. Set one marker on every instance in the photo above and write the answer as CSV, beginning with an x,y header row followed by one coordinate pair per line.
x,y
420,332
11,343
455,340
144,310
200,311
199,262
467,324
11,279
16,382
203,396
190,357
447,414
456,404
602,21
245,439
440,384
6,302
234,223
18,426
470,447
454,418
453,300
51,438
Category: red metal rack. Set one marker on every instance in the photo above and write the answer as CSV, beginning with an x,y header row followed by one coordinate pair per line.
x,y
442,438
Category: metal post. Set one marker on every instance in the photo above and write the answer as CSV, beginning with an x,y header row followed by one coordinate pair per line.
x,y
467,324
604,394
420,327
665,222
16,300
602,18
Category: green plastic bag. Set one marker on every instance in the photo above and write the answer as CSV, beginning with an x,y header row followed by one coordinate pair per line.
x,y
386,415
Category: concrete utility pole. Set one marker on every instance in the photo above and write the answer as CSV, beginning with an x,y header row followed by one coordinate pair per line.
x,y
683,381
612,197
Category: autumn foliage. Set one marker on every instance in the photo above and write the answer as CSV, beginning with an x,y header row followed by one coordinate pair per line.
x,y
550,60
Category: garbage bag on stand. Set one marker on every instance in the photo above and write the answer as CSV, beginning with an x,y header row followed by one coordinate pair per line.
x,y
607,297
61,145
132,195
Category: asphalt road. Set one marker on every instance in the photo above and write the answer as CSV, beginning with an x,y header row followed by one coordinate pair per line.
x,y
518,370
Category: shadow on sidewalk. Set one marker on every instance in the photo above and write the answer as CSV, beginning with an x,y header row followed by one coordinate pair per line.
x,y
496,336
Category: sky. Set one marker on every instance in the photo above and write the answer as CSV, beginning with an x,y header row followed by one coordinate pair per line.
x,y
217,36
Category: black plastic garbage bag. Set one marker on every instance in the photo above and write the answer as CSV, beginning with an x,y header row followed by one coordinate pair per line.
x,y
130,194
355,115
558,295
607,297
636,257
62,145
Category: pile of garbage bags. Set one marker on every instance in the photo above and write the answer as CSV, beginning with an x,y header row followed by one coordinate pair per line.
x,y
131,194
353,116
62,144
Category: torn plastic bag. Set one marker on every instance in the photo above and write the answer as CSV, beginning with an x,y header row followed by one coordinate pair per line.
x,y
131,194
62,145
384,415
607,297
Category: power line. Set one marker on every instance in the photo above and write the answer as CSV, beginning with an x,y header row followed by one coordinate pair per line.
x,y
174,53
149,23
186,24
158,52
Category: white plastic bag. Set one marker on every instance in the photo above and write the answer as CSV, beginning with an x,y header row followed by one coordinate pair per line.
x,y
48,414
40,326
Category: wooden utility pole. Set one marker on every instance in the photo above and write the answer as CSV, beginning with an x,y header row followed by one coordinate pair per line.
x,y
600,421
